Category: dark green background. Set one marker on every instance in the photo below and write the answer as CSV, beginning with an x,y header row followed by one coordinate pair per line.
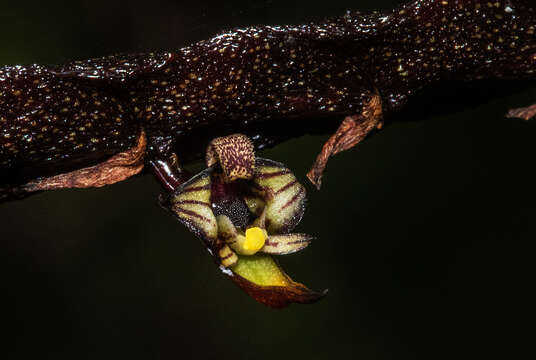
x,y
423,232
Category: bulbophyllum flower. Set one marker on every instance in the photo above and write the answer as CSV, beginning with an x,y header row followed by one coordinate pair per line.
x,y
244,209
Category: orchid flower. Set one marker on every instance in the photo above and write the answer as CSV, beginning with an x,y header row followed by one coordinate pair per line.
x,y
244,210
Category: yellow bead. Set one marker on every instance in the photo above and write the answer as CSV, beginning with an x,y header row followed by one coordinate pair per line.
x,y
255,239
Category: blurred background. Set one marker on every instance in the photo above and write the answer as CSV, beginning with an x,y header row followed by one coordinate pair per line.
x,y
423,232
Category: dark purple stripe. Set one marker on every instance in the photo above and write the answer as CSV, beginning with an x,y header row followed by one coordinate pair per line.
x,y
196,188
276,244
228,256
196,202
288,185
297,242
192,213
293,199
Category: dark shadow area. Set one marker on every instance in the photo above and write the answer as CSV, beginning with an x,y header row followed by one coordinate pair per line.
x,y
456,96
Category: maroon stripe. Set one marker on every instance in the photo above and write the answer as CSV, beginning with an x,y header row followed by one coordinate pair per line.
x,y
273,174
257,186
288,185
297,242
196,188
226,239
192,213
196,202
293,199
276,244
227,257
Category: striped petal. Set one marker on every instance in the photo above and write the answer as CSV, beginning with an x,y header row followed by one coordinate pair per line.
x,y
284,196
191,205
226,229
286,244
261,220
